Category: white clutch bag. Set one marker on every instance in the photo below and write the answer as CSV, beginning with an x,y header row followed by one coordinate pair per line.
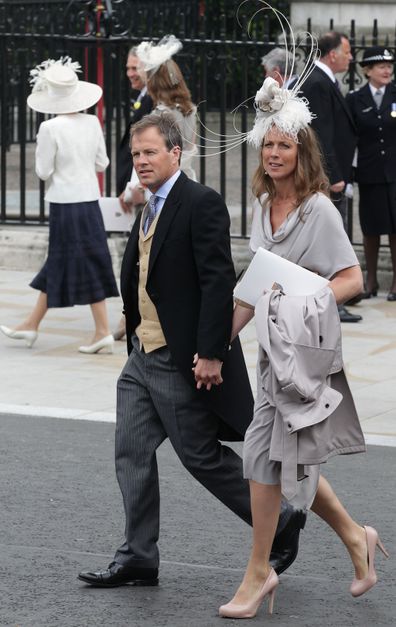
x,y
266,268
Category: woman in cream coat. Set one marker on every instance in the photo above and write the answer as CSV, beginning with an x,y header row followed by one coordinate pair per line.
x,y
70,151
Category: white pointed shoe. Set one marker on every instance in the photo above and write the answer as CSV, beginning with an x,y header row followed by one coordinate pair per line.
x,y
29,336
105,342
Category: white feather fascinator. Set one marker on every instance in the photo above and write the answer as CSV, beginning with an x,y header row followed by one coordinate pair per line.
x,y
275,105
279,107
152,56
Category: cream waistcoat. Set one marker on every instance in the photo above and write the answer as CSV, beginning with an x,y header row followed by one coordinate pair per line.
x,y
149,331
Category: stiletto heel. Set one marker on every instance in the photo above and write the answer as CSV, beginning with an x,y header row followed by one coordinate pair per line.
x,y
271,601
249,610
381,547
360,586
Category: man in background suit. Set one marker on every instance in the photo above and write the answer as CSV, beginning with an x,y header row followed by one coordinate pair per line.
x,y
277,64
141,105
333,123
182,380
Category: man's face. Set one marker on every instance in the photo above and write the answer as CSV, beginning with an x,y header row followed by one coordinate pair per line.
x,y
132,73
153,162
274,73
341,56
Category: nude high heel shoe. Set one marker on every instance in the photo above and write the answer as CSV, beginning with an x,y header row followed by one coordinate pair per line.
x,y
249,610
360,586
29,336
105,342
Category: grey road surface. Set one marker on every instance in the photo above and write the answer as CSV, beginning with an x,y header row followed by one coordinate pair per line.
x,y
61,512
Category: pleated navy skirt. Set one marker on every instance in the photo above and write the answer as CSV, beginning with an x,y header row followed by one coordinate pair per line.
x,y
78,268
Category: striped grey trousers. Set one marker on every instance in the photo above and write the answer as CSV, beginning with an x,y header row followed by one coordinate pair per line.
x,y
154,402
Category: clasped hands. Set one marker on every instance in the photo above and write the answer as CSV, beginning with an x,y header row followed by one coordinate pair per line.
x,y
207,372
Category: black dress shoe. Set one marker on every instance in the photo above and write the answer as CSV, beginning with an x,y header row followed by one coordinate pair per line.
x,y
391,296
120,575
285,546
347,316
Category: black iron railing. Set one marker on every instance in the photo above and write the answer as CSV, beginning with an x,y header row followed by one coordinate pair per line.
x,y
220,62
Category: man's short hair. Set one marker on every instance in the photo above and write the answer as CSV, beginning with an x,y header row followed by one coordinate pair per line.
x,y
330,41
166,125
276,58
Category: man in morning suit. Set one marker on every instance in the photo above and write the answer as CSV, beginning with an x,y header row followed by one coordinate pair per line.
x,y
182,381
333,123
141,105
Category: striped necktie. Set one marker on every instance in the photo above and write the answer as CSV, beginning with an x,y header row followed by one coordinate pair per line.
x,y
151,212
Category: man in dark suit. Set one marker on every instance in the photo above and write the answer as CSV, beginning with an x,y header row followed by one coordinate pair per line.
x,y
141,105
182,381
333,123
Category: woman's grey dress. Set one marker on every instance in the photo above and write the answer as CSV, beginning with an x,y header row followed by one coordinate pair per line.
x,y
313,237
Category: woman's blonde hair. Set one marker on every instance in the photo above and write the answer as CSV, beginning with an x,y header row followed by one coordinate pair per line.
x,y
309,175
167,86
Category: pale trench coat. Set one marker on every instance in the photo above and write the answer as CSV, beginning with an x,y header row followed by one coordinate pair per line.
x,y
302,378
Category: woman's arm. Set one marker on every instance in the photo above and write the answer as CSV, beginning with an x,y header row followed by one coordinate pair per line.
x,y
101,159
45,153
241,316
347,283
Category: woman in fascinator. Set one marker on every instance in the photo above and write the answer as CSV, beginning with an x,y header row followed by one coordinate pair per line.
x,y
304,412
169,92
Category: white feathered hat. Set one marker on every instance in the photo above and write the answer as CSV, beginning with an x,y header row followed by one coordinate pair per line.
x,y
152,56
57,89
279,107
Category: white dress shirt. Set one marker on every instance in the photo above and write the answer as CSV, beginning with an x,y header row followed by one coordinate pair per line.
x,y
70,150
325,68
162,194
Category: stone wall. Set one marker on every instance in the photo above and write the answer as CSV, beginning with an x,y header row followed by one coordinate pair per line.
x,y
364,12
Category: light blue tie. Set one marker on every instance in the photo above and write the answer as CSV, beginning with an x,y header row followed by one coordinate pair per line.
x,y
378,98
151,212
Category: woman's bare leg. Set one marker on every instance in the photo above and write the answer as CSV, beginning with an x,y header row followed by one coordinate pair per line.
x,y
32,322
327,505
99,312
265,503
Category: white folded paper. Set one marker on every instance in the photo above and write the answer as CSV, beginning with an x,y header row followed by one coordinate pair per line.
x,y
266,268
113,216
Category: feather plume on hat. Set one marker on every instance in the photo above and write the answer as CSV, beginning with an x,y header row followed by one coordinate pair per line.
x,y
275,105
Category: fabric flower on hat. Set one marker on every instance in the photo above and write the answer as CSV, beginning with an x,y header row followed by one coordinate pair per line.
x,y
276,106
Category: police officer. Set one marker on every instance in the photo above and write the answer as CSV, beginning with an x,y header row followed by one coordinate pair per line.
x,y
373,108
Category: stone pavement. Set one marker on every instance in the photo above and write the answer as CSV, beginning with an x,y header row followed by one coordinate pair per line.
x,y
53,379
61,509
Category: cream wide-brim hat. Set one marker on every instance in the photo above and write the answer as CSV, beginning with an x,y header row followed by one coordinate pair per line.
x,y
61,91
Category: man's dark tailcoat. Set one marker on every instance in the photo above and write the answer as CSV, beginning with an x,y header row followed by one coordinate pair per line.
x,y
190,281
333,124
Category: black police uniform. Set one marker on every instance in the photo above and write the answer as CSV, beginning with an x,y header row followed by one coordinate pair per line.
x,y
376,165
